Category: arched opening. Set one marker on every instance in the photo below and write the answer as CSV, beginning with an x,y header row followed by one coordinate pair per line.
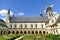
x,y
40,32
1,32
9,32
36,32
43,32
4,32
13,32
25,32
47,32
21,32
28,32
32,32
17,32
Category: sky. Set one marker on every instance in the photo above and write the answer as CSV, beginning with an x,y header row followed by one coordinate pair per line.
x,y
27,7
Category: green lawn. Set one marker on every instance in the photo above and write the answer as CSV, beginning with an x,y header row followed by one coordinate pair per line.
x,y
9,36
42,37
30,37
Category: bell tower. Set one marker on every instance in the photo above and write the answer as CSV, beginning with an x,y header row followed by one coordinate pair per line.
x,y
49,12
8,18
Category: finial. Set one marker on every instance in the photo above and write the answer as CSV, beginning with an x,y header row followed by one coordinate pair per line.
x,y
41,13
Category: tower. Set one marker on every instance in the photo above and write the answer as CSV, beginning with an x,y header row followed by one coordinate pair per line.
x,y
49,12
8,18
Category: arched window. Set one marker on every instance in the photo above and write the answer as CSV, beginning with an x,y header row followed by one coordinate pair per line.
x,y
13,32
43,32
17,32
36,32
9,32
40,32
25,32
28,32
21,32
1,32
32,32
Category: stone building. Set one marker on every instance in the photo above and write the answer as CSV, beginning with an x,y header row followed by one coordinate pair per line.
x,y
48,24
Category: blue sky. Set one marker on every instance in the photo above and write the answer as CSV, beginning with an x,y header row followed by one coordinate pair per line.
x,y
28,7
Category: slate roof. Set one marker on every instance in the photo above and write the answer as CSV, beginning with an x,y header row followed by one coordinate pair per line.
x,y
28,19
2,21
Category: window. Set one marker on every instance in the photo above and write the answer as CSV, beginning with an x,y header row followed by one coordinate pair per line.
x,y
52,21
21,25
55,18
15,26
25,25
31,25
51,14
42,25
36,26
10,26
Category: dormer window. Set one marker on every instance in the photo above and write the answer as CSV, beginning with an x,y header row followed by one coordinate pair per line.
x,y
51,14
15,26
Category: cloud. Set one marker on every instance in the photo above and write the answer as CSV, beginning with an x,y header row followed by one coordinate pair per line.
x,y
4,12
47,6
51,5
44,11
4,19
55,12
20,13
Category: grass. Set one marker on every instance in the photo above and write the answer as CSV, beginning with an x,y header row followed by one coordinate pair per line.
x,y
9,36
42,37
30,37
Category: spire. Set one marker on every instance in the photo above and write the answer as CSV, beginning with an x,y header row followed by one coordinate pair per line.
x,y
9,11
41,13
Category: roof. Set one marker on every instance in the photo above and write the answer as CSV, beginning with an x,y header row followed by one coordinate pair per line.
x,y
28,19
2,21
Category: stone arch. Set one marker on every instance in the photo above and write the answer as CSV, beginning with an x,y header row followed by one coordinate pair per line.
x,y
43,32
9,32
36,32
25,32
47,32
28,32
17,32
1,32
21,32
4,32
32,32
40,32
13,32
